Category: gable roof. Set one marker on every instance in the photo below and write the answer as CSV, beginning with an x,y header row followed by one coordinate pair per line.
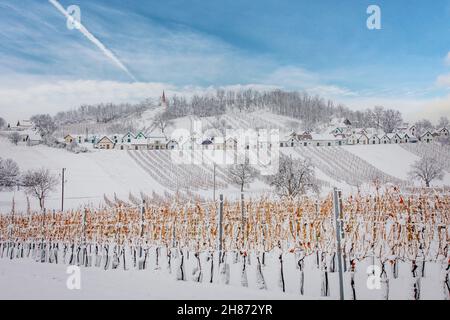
x,y
105,138
129,133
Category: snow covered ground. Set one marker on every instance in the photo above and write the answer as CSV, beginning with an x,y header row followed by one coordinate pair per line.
x,y
27,279
32,280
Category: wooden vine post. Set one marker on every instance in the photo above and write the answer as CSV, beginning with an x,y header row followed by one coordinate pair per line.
x,y
338,219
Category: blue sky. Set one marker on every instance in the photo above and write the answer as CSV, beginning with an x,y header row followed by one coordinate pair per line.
x,y
320,46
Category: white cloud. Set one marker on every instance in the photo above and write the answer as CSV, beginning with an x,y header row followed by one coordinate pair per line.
x,y
412,109
447,59
443,80
23,97
22,100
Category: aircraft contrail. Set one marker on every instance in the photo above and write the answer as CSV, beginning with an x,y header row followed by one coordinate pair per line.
x,y
94,40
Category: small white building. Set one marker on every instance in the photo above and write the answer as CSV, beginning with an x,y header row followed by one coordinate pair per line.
x,y
374,139
427,137
385,139
105,143
443,132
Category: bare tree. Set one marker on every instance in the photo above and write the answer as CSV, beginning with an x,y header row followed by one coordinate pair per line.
x,y
295,177
426,170
44,123
2,123
391,120
443,122
9,173
162,121
39,183
378,112
242,174
14,138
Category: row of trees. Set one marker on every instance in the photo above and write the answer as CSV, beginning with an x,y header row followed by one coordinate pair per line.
x,y
101,113
37,183
313,110
295,177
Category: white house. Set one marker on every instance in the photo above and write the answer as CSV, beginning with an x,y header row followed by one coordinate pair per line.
x,y
427,137
105,143
325,140
394,138
405,138
128,137
443,132
156,143
231,143
362,139
374,139
385,139
33,138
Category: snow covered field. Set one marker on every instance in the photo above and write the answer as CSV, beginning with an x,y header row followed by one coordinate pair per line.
x,y
32,280
27,279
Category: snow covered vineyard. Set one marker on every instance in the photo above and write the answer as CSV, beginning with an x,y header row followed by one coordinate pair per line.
x,y
153,172
284,246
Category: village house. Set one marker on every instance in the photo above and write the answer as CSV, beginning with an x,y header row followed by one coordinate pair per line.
x,y
156,143
324,140
291,140
231,144
208,144
105,143
374,139
73,138
126,139
21,125
33,138
404,137
362,138
427,137
385,139
443,132
394,138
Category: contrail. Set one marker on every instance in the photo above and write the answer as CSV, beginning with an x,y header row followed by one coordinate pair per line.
x,y
94,40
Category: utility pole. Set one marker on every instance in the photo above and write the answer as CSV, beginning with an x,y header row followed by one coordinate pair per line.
x,y
338,219
62,189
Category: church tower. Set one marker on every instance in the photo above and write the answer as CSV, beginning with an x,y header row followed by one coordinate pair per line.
x,y
164,100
